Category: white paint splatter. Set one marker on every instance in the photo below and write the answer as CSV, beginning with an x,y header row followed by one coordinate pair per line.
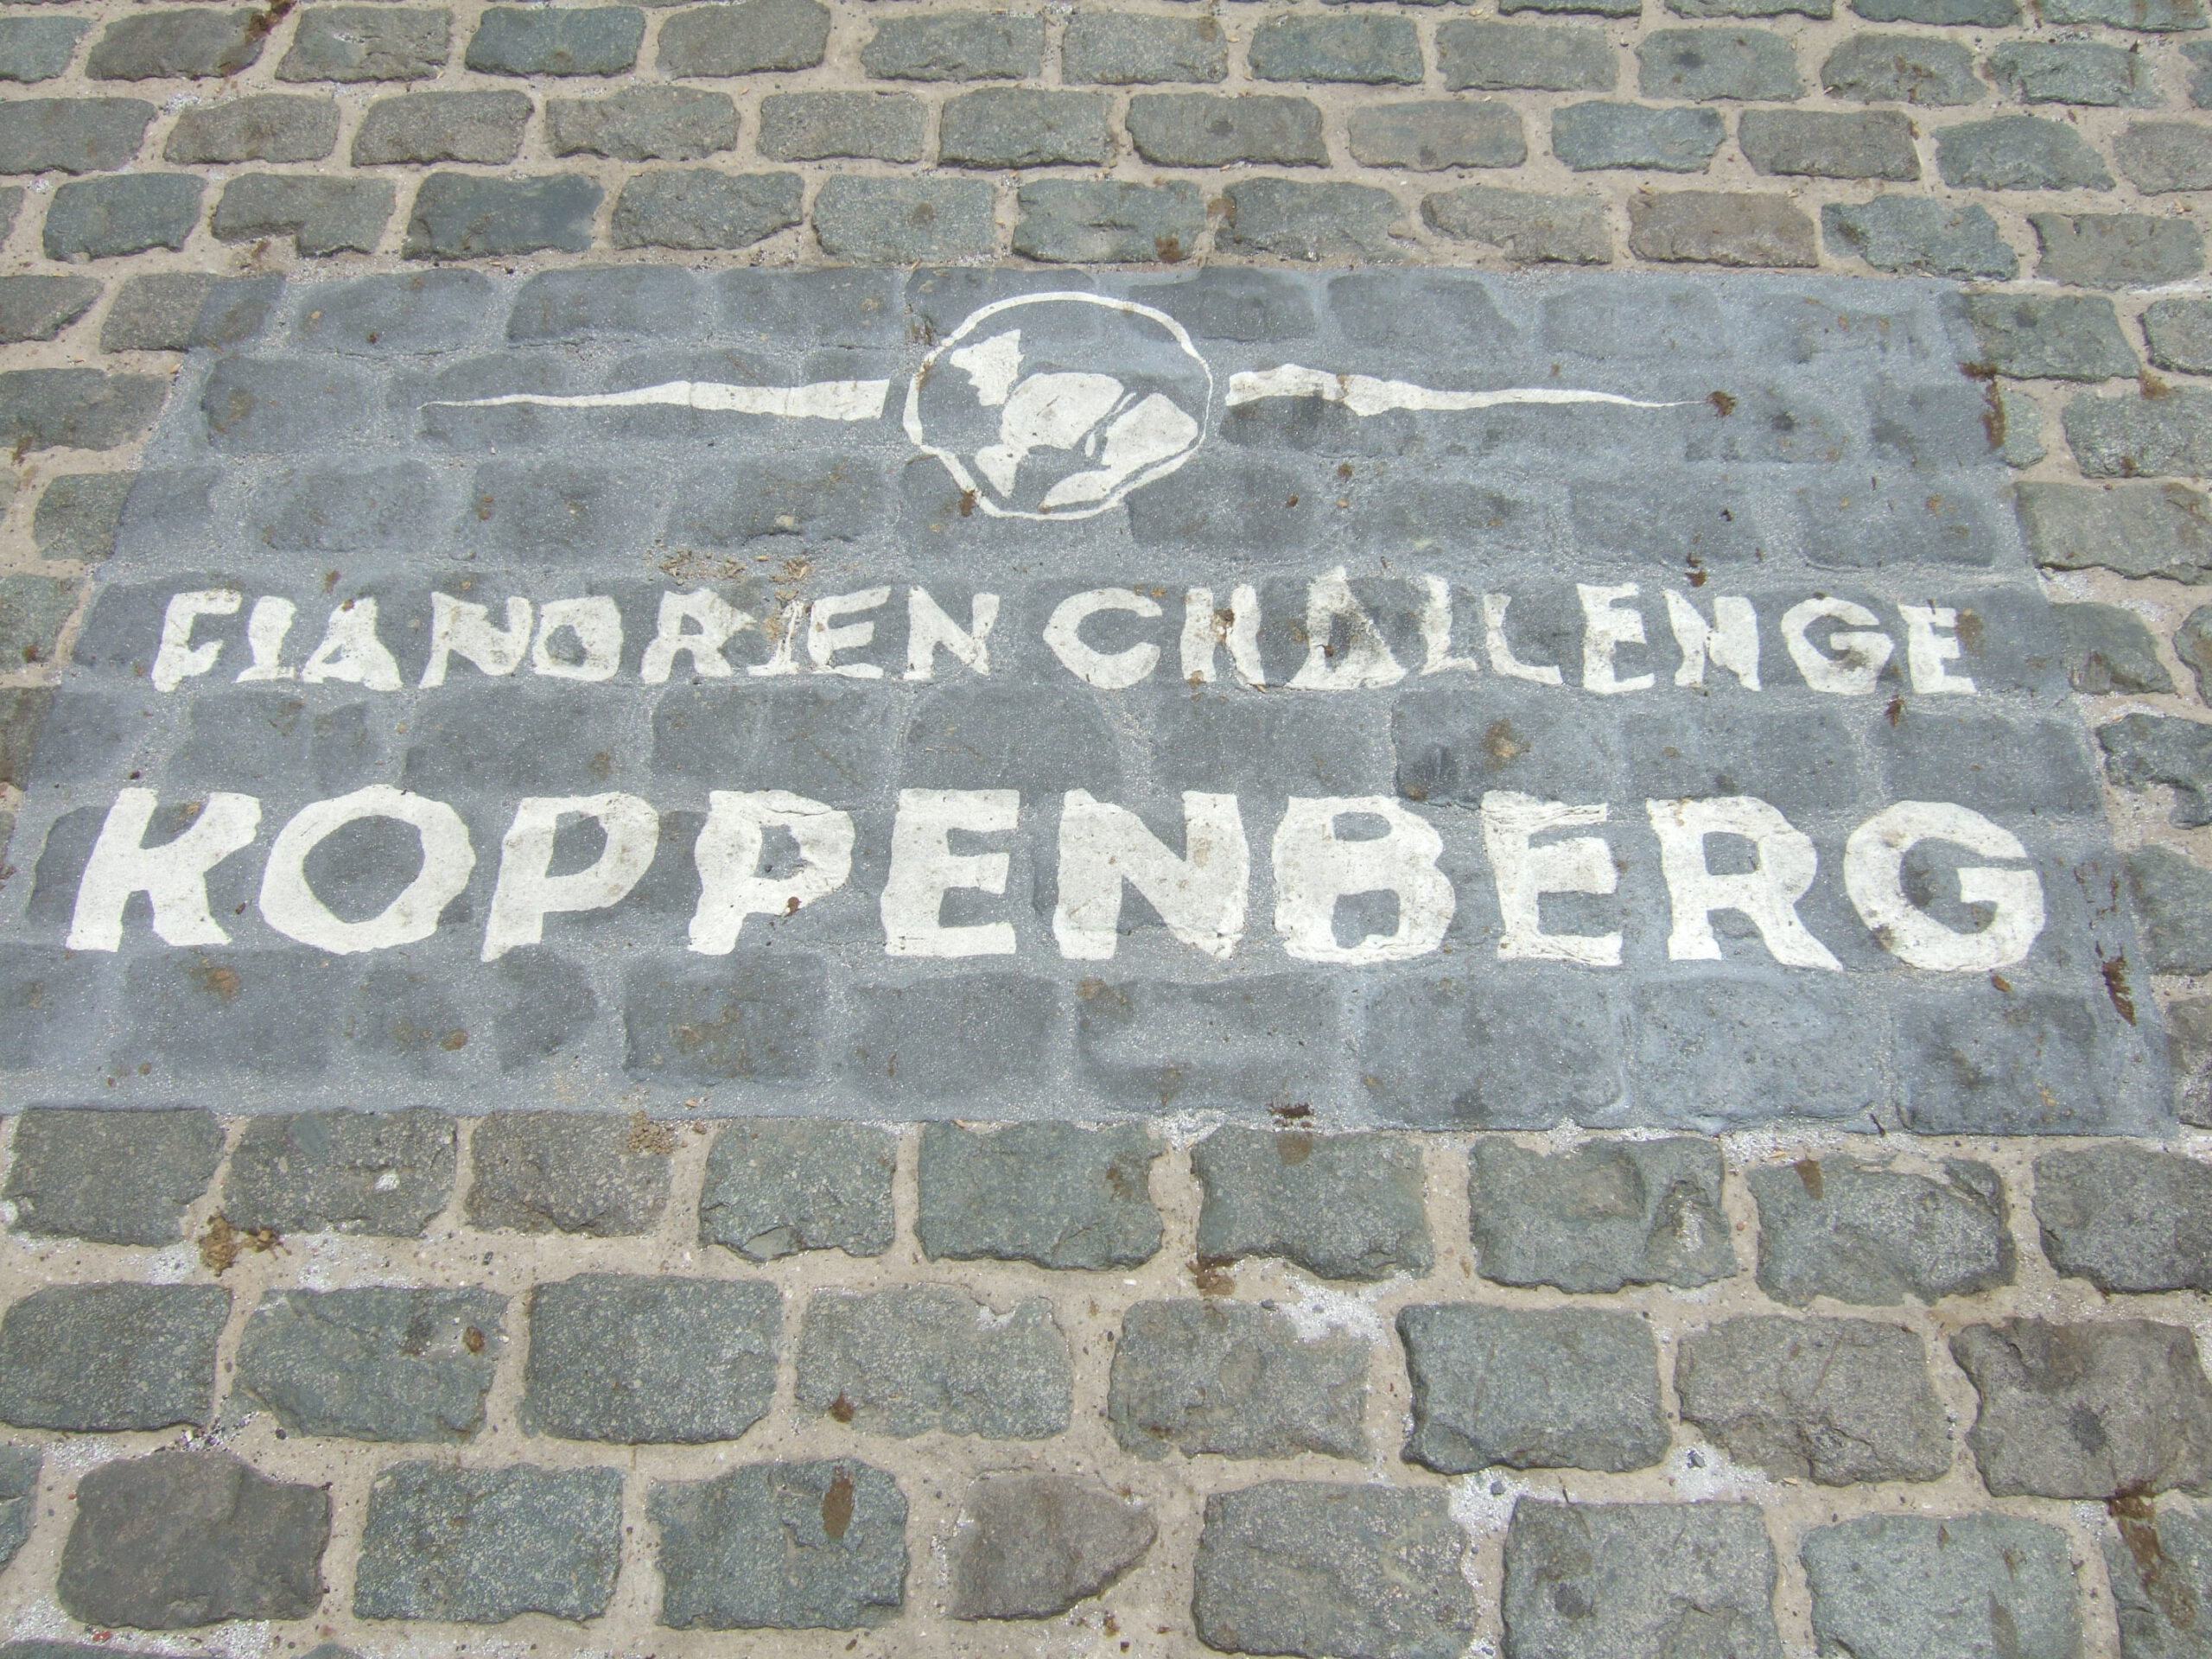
x,y
825,400
1365,394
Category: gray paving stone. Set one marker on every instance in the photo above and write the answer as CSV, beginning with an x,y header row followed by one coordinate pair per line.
x,y
462,216
1894,1587
1750,8
1056,1194
1304,1568
2161,157
1128,48
101,1358
33,608
376,1362
640,1361
482,1546
271,127
782,1545
1020,126
38,49
1718,227
2017,152
2087,1410
564,40
1433,136
1824,144
643,123
1341,1207
2110,650
745,39
1913,235
2192,642
182,1539
110,1177
1901,69
1948,14
1209,130
1336,223
1597,8
105,219
2136,530
1835,1401
384,1174
1225,1377
761,1024
2117,250
915,1357
39,307
904,222
818,126
71,135
2152,16
780,1187
195,42
1609,1214
1531,1389
2178,332
956,46
2141,750
1372,50
2160,1567
1539,57
358,43
2070,71
1033,1546
1843,1228
567,1172
700,207
1592,136
1615,1581
2056,337
19,1470
443,127
2016,424
321,216
1717,63
2126,1217
1082,221
1529,229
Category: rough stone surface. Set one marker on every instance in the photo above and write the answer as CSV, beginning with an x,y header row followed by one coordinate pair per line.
x,y
1126,48
2117,250
182,1539
38,49
460,216
1080,221
782,1545
1896,1586
1721,228
1858,1232
643,123
2193,644
1055,1194
568,1172
2160,1566
2050,337
813,126
1015,126
745,39
385,1173
113,1178
1717,63
1311,222
19,1471
2070,71
1220,1377
2132,436
778,1188
2017,152
1880,68
1373,48
903,221
1033,1546
1822,145
105,219
1430,137
1208,130
1303,1568
1613,1581
368,43
1538,57
193,43
2178,332
320,216
956,46
482,1546
1910,236
1340,1206
1954,14
1606,1215
1527,229
2110,650
1588,136
2173,902
637,1360
918,1357
1836,1400
699,208
71,135
2161,157
2087,1410
101,1358
2143,750
555,40
2126,1217
33,608
1549,1388
376,1362
443,127
2146,529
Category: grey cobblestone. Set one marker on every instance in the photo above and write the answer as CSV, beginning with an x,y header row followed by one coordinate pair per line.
x,y
2069,72
112,1178
568,1172
1540,57
38,49
382,1174
33,608
956,46
1431,137
273,127
2126,1217
459,216
1051,1193
443,127
2173,902
1909,236
636,1360
1033,1546
813,126
1717,63
1887,1586
1614,1213
1820,144
2017,152
1526,228
699,208
1880,69
482,1546
2192,644
1119,48
2161,1573
19,1472
1016,127
2162,157
1209,130
749,38
918,1356
194,43
2117,250
2110,650
564,41
782,1545
1609,1581
2142,750
368,43
2063,337
1846,1228
320,216
2178,332
71,135
2134,436
378,1362
1341,1207
107,219
2135,530
1346,46
100,1358
1721,228
775,1189
643,123
904,222
1588,136
1078,221
1212,1376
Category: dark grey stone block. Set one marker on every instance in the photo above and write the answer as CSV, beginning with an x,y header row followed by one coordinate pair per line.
x,y
443,127
956,46
1335,223
113,1178
2141,750
71,135
1488,1053
1719,227
2059,337
101,1358
1209,130
1719,1046
744,38
2138,531
33,608
321,216
347,510
1430,137
1373,49
1889,1586
818,126
2087,1410
380,1174
2192,641
560,507
583,303
1717,63
19,1470
1254,1041
1609,1214
1836,1400
1975,1059
2161,157
2110,650
2173,902
754,1017
568,1172
1822,145
358,43
1033,1546
1123,48
904,222
1531,1389
1056,1194
482,1546
651,1360
1224,1378
1539,57
1017,126
959,1039
2070,71
2127,1218
2152,16
462,216
2179,335
643,123
182,1539
2017,152
194,42
2134,436
2188,1036
1084,221
1527,229
378,1362
39,307
1902,69
1852,1230
1304,1567
175,311
779,1187
2160,1570
105,219
266,406
915,1357
76,409
564,40
1675,140
1341,1207
701,208
1610,1581
270,127
782,1545
38,49
2117,250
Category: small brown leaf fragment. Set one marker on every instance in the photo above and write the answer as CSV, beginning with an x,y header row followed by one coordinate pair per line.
x,y
1809,1170
1895,712
452,1041
1290,1114
968,504
647,1137
837,1505
2114,969
473,1339
842,1409
1211,1276
1169,248
1723,404
2001,983
221,1245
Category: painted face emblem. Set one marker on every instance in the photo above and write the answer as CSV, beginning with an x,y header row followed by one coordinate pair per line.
x,y
1057,405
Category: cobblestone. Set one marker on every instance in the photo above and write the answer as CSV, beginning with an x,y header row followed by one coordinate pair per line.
x,y
1431,137
1287,220
1717,63
568,1172
1588,136
1033,1546
2173,902
813,126
637,1360
700,208
19,1472
2148,530
643,123
1878,68
1721,228
1846,1228
342,1172
1014,127
1817,144
111,1177
2161,157
100,1358
443,127
368,43
273,127
750,38
1606,1581
107,219
1615,1213
482,1546
1345,1207
195,42
918,1356
2109,650
2126,1217
564,41
2141,750
2069,72
1526,228
71,135
378,1362
459,216
1539,57
1209,130
775,1189
38,49
320,216
2017,152
2117,250
1211,1376
2158,1568
782,1545
1908,236
1118,48
1078,221
1375,50
956,46
1050,1194
904,222
2034,337
1888,1587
